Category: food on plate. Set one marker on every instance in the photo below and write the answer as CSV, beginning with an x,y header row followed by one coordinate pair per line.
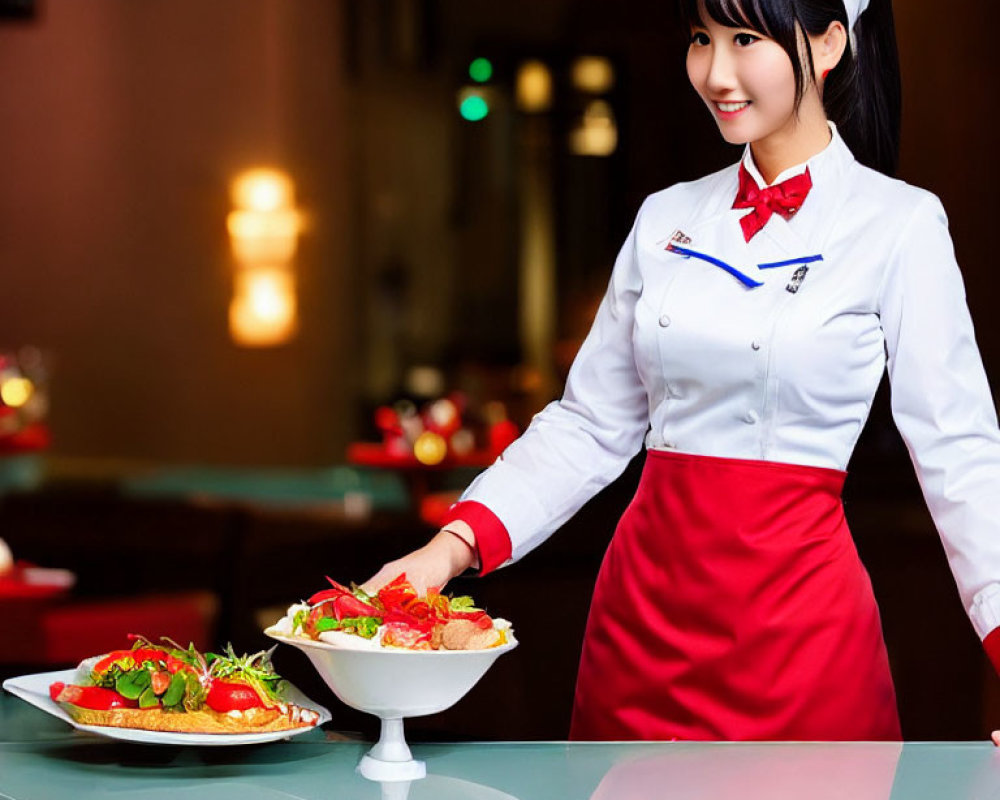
x,y
394,617
179,690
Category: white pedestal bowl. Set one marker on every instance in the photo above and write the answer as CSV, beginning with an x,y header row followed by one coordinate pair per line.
x,y
394,684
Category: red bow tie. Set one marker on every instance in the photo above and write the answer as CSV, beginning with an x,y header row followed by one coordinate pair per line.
x,y
784,198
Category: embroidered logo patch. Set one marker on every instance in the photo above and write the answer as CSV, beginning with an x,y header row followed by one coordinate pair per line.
x,y
680,237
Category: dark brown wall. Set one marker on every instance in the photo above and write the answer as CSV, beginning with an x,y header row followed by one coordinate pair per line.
x,y
948,61
123,124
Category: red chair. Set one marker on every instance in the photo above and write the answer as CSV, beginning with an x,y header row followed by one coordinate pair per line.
x,y
59,633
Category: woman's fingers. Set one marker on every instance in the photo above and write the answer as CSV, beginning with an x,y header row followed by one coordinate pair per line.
x,y
996,738
413,569
434,564
381,578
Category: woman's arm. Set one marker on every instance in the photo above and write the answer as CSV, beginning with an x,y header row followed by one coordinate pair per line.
x,y
942,404
572,449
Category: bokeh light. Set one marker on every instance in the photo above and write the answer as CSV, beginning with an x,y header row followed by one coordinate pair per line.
x,y
473,107
481,70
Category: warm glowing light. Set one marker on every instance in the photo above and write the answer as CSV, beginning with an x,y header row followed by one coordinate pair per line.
x,y
263,310
266,236
263,190
424,381
593,74
596,134
15,392
444,414
534,87
430,448
263,229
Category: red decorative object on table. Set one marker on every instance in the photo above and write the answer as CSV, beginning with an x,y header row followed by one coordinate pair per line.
x,y
26,581
23,402
436,436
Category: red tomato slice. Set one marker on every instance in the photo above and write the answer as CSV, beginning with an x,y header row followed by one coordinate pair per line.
x,y
226,696
92,697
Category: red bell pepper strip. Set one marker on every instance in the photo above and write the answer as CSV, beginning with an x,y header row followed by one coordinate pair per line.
x,y
349,606
138,655
397,593
476,616
339,587
176,665
326,594
421,609
439,603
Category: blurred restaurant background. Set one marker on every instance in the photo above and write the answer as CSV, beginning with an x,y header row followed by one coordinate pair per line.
x,y
278,277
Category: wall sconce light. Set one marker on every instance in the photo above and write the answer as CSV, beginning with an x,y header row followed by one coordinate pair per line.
x,y
595,133
533,87
263,229
594,74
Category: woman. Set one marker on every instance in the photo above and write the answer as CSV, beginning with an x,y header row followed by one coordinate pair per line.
x,y
748,321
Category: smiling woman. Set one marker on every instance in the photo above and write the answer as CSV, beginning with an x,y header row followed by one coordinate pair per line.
x,y
749,319
775,78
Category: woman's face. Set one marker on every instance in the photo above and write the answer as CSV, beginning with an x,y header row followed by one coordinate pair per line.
x,y
746,80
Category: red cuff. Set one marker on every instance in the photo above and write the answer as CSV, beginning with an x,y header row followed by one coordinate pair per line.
x,y
492,539
992,646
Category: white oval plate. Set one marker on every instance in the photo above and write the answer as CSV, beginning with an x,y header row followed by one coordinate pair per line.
x,y
34,689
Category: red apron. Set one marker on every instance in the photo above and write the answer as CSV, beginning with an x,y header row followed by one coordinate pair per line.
x,y
732,605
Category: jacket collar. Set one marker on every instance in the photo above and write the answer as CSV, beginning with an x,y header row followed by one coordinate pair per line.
x,y
808,228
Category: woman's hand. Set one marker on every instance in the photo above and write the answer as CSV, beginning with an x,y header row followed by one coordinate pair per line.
x,y
996,738
432,566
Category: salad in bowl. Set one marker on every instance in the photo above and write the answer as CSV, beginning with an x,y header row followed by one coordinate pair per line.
x,y
395,654
394,617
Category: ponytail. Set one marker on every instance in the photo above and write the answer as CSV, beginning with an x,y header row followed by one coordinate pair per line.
x,y
862,94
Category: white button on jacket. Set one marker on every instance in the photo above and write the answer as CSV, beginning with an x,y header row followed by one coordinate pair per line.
x,y
861,279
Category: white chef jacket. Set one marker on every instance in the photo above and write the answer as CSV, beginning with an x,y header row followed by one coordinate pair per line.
x,y
688,353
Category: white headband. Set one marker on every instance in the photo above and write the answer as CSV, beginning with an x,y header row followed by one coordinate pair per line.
x,y
855,8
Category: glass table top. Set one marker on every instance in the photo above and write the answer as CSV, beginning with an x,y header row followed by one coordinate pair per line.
x,y
43,758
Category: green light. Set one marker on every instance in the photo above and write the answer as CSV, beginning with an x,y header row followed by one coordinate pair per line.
x,y
474,108
481,70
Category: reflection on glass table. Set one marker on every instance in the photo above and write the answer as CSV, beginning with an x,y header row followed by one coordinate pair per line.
x,y
43,757
829,771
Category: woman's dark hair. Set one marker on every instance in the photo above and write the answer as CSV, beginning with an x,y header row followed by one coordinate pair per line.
x,y
862,94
